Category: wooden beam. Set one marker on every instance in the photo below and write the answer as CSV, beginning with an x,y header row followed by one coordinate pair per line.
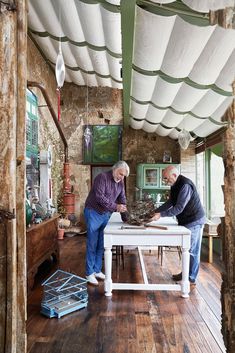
x,y
127,25
13,73
21,66
225,18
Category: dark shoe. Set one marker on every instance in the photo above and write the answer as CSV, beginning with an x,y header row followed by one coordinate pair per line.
x,y
177,277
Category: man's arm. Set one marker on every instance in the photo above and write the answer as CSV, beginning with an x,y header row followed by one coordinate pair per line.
x,y
168,210
182,200
122,196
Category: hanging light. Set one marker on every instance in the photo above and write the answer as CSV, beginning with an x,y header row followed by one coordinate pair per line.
x,y
60,76
59,71
87,132
184,139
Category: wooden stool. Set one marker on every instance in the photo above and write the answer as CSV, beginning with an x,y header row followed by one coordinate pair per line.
x,y
210,237
160,252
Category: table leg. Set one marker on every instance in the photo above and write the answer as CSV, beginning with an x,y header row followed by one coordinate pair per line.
x,y
108,272
185,288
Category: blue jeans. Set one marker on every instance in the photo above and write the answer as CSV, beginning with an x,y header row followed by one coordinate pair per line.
x,y
95,224
195,251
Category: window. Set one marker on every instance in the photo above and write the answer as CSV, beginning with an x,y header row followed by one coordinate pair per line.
x,y
210,179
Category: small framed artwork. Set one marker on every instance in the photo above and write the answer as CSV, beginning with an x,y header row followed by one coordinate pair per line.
x,y
151,177
95,170
102,144
167,157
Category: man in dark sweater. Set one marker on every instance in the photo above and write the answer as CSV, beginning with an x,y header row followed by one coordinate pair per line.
x,y
185,204
107,195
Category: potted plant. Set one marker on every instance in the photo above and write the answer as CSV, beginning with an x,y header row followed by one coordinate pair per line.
x,y
60,229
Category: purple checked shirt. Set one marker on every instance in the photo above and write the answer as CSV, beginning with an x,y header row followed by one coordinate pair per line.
x,y
105,193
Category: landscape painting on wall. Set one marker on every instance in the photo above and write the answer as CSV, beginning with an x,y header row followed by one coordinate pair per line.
x,y
102,144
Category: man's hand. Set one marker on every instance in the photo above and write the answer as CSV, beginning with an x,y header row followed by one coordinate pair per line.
x,y
155,217
121,208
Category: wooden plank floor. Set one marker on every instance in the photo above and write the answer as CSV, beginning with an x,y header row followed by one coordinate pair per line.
x,y
131,321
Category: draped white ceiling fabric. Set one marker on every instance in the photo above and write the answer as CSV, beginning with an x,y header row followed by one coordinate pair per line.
x,y
90,38
182,70
202,5
181,76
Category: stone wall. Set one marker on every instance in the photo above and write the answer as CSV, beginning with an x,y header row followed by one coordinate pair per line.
x,y
39,71
188,162
142,147
104,108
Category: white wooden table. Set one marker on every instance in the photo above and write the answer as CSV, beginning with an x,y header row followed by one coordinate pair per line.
x,y
145,238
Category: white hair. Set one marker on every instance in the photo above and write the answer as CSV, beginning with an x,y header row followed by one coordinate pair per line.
x,y
174,170
122,164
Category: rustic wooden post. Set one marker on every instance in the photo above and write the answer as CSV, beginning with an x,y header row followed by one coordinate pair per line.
x,y
13,74
225,19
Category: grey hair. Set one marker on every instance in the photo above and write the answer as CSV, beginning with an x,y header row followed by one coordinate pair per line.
x,y
122,164
174,170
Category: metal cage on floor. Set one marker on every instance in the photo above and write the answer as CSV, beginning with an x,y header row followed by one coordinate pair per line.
x,y
64,293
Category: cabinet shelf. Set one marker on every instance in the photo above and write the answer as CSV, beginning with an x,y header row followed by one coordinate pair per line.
x,y
150,182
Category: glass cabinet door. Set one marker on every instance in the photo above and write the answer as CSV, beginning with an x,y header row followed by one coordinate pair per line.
x,y
151,177
162,185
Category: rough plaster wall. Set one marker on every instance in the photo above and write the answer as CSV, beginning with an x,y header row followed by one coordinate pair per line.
x,y
140,147
73,118
188,163
39,71
137,145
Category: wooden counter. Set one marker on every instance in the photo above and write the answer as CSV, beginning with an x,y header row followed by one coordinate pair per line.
x,y
41,244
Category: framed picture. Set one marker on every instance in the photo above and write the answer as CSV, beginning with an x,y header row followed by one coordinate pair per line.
x,y
167,157
151,176
95,170
102,144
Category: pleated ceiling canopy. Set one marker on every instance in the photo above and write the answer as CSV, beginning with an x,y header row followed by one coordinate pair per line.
x,y
177,68
90,37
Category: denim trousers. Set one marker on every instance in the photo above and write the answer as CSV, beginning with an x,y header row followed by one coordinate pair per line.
x,y
95,224
195,250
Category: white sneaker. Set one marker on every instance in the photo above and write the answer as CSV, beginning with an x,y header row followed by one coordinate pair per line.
x,y
92,280
100,275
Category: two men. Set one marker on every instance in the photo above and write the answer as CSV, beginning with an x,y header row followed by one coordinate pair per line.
x,y
107,195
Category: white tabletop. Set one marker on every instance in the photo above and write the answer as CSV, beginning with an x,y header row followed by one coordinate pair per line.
x,y
115,227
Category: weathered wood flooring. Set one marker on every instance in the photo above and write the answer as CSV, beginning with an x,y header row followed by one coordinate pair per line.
x,y
131,321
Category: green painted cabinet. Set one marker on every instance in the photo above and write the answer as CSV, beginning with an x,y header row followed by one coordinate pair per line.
x,y
150,183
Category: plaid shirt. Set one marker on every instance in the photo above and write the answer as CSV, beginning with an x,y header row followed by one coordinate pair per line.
x,y
105,193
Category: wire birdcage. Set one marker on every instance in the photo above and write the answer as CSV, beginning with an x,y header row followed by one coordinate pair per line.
x,y
64,293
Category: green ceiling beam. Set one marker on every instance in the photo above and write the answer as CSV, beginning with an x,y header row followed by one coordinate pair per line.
x,y
127,26
175,8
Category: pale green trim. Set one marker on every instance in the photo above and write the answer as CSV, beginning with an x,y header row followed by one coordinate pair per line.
x,y
78,44
186,80
106,5
127,27
77,68
173,127
176,8
179,112
217,149
208,181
